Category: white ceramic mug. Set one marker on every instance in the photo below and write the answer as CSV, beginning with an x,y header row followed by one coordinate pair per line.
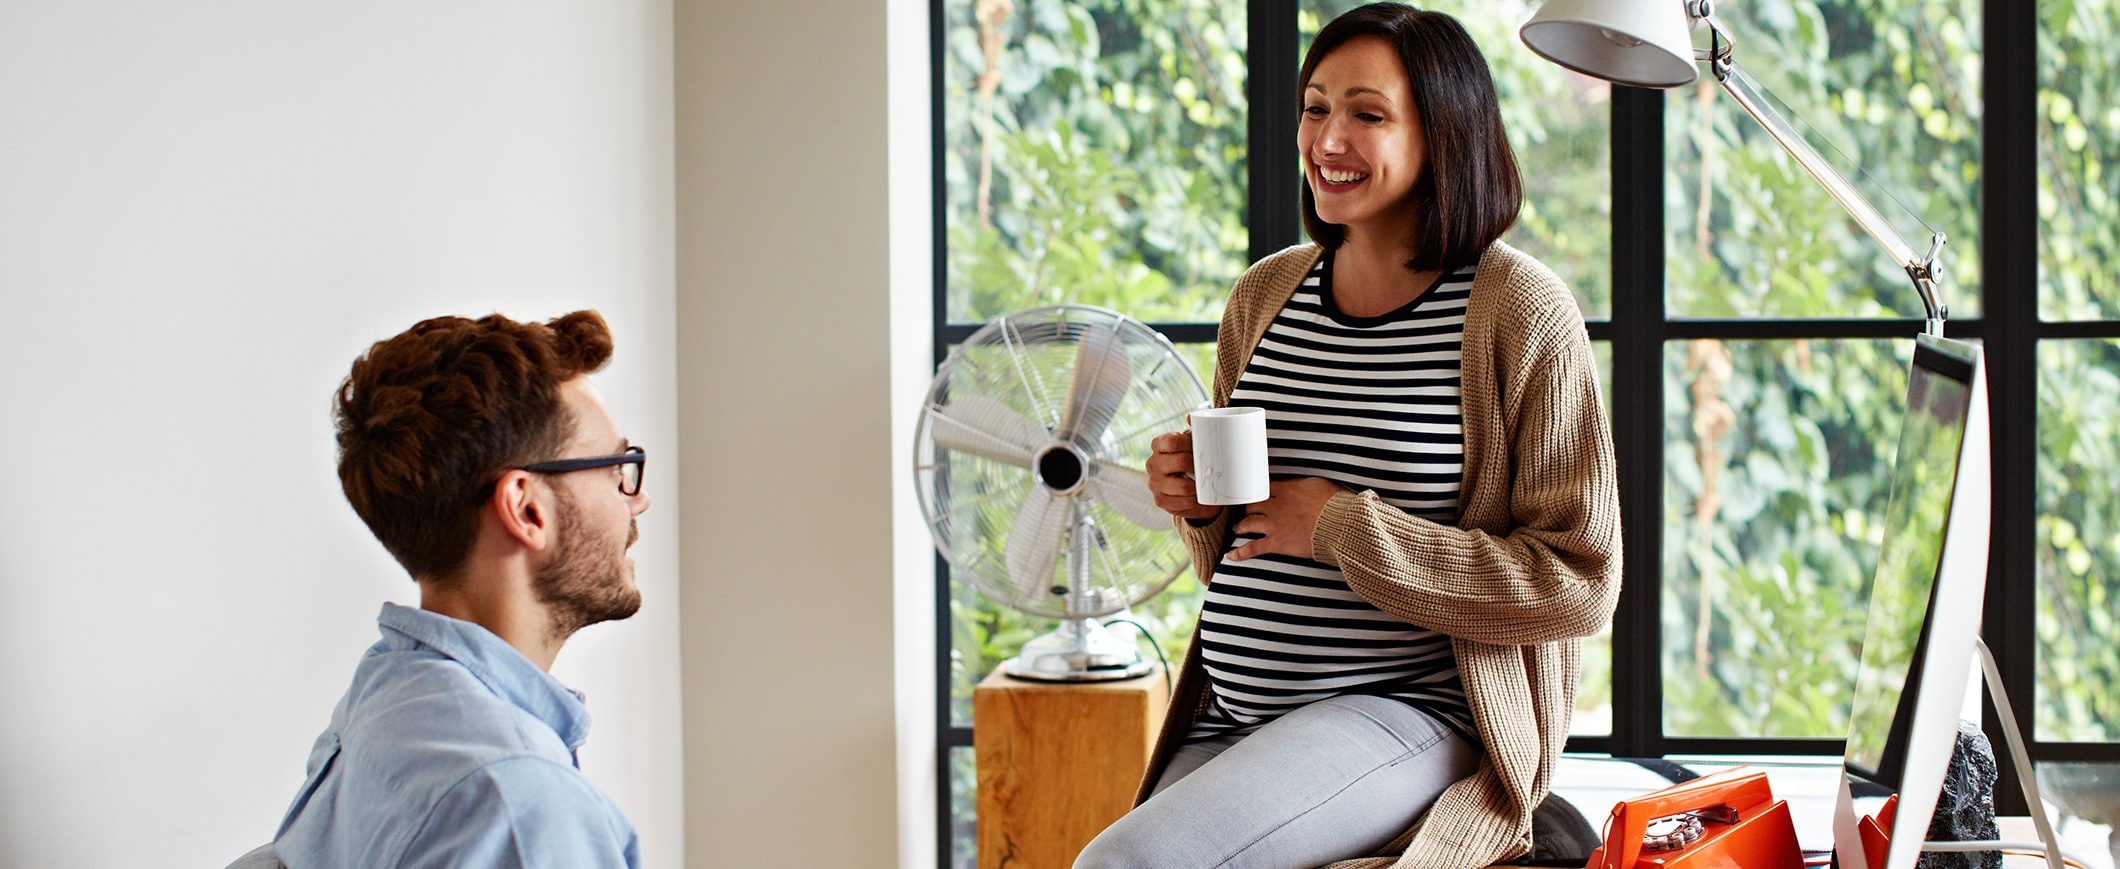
x,y
1229,455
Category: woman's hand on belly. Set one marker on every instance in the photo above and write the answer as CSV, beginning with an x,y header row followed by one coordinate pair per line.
x,y
1286,519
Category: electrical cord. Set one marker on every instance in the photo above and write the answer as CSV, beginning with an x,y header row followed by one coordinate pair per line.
x,y
1168,690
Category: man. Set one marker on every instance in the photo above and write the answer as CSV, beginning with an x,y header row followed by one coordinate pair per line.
x,y
479,455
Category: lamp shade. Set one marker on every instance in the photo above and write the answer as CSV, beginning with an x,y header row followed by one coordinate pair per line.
x,y
1644,43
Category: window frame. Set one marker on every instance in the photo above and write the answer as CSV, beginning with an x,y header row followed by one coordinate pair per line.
x,y
1638,330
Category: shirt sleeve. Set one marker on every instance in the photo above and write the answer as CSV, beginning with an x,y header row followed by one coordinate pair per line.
x,y
523,812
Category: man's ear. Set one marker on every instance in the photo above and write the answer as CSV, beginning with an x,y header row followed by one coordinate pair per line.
x,y
523,507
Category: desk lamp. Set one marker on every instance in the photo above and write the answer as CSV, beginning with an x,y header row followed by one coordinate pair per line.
x,y
1649,44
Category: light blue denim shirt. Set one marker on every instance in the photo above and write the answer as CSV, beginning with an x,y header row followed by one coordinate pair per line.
x,y
452,749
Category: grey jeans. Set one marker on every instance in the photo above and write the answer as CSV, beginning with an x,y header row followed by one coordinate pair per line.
x,y
1333,780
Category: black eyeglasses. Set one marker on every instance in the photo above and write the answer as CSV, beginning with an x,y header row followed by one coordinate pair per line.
x,y
633,465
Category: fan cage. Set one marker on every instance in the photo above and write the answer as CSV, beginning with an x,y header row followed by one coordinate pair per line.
x,y
1021,368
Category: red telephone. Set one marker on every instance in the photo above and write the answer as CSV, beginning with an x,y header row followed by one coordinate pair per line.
x,y
1729,820
1876,832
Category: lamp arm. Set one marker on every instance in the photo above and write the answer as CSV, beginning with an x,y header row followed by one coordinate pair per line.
x,y
1921,270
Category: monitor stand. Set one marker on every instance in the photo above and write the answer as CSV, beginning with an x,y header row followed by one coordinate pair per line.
x,y
2019,756
1874,827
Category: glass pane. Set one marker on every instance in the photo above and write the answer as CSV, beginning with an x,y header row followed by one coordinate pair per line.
x,y
1777,457
963,846
2079,136
2084,799
983,633
1603,349
1889,86
1559,124
2078,542
1593,692
1094,154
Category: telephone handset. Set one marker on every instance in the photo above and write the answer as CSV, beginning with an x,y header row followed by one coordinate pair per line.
x,y
1729,820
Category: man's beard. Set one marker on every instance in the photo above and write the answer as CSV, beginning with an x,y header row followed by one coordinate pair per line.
x,y
586,581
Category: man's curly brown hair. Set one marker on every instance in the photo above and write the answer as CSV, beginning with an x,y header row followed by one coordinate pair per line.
x,y
430,419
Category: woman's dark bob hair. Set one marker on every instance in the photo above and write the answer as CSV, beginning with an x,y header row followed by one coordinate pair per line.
x,y
1470,190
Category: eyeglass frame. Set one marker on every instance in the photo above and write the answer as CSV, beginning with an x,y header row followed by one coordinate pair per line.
x,y
633,455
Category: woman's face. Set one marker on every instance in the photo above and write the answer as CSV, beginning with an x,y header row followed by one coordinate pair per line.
x,y
1361,138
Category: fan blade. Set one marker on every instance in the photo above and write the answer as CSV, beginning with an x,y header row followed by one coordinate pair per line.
x,y
1101,377
1125,490
1034,543
987,428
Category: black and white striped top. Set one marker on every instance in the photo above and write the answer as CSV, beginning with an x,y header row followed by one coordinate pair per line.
x,y
1369,403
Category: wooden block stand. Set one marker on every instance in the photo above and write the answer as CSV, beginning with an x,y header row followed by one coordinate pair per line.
x,y
1058,762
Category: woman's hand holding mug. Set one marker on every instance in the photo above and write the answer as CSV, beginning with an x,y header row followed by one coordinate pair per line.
x,y
1170,465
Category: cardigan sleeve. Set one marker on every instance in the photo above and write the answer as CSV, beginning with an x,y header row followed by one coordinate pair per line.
x,y
1555,573
1206,542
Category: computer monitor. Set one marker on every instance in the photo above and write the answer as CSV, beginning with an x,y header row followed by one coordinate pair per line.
x,y
1925,603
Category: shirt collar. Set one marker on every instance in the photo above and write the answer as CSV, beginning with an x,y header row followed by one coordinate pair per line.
x,y
492,661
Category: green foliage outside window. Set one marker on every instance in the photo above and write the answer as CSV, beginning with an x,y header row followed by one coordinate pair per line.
x,y
2078,542
1094,154
2079,146
1776,463
1889,92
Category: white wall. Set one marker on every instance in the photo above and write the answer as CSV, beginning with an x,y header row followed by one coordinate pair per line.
x,y
803,296
206,211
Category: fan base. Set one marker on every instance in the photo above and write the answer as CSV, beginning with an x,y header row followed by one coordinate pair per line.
x,y
1077,650
1075,668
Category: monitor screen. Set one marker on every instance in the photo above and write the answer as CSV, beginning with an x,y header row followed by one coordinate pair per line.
x,y
1925,602
1902,594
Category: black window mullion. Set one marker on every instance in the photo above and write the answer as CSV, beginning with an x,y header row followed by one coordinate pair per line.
x,y
1273,202
939,317
1767,745
2065,752
1638,331
2107,329
2009,283
1815,329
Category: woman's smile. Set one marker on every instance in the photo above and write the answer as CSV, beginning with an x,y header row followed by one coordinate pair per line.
x,y
1338,180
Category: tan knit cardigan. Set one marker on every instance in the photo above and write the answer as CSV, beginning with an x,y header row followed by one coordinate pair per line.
x,y
1532,566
